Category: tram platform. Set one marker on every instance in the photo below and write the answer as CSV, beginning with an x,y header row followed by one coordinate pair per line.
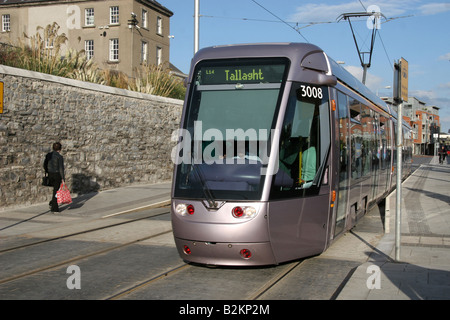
x,y
423,270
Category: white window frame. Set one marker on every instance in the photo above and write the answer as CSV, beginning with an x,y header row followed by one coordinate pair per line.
x,y
89,18
114,50
144,19
158,55
6,22
144,52
114,15
159,25
89,49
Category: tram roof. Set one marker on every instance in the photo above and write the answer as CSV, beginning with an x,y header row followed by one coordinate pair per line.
x,y
317,67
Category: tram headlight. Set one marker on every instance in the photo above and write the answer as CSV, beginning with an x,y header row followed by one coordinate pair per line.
x,y
243,212
183,209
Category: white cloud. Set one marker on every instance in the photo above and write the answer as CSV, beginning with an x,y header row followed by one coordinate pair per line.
x,y
326,12
434,8
445,56
427,95
374,83
313,12
445,86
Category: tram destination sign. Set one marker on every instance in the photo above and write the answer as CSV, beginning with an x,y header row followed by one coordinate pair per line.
x,y
255,73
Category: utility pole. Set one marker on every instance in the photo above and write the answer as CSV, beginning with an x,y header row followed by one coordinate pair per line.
x,y
400,94
196,24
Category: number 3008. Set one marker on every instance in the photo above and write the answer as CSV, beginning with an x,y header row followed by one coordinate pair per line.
x,y
311,92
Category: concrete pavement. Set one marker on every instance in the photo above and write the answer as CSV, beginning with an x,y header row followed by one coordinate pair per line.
x,y
423,272
20,220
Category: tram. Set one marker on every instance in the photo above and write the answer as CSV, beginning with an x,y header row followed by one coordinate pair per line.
x,y
279,152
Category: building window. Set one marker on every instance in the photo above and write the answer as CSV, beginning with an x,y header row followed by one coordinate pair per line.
x,y
144,52
6,22
89,17
159,25
114,50
144,18
114,15
89,49
158,56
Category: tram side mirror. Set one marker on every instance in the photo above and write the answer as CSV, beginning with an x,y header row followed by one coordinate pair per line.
x,y
325,80
317,62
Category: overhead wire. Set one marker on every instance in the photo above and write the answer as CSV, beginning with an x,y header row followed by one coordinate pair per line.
x,y
296,28
273,14
307,24
385,51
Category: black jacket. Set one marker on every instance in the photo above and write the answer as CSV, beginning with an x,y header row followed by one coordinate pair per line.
x,y
54,163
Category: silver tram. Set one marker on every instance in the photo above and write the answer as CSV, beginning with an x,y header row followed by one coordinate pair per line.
x,y
280,151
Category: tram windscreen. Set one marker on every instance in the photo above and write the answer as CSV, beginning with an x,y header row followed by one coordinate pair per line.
x,y
226,133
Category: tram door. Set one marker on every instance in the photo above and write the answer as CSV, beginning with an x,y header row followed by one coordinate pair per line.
x,y
344,156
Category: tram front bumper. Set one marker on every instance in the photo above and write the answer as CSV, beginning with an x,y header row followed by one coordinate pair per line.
x,y
225,254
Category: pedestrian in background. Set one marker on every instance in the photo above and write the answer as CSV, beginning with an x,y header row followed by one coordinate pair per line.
x,y
54,166
442,154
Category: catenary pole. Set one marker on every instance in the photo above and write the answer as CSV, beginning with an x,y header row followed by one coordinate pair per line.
x,y
398,208
400,95
196,25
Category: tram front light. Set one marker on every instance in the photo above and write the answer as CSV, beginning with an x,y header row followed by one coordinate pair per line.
x,y
246,254
184,209
243,212
190,209
187,250
237,212
181,209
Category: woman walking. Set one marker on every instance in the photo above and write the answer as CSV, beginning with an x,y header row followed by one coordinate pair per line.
x,y
54,166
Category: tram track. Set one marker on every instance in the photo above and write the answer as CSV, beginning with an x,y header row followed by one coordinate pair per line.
x,y
166,275
255,295
145,283
80,257
171,273
274,281
109,225
64,236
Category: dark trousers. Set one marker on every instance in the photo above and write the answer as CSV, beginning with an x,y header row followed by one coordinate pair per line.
x,y
55,181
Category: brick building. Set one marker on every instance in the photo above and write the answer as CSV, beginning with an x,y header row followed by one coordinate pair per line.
x,y
424,121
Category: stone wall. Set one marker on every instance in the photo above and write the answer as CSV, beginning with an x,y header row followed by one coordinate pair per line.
x,y
110,137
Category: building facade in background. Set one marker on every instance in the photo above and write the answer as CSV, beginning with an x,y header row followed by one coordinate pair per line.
x,y
424,121
117,35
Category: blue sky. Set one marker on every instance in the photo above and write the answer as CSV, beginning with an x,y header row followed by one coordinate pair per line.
x,y
420,34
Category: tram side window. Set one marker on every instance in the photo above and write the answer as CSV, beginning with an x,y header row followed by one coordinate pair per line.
x,y
384,148
368,132
304,142
356,139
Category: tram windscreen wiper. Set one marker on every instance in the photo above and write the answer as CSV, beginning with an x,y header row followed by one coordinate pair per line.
x,y
208,195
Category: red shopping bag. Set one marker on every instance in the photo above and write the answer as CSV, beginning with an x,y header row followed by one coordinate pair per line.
x,y
63,194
